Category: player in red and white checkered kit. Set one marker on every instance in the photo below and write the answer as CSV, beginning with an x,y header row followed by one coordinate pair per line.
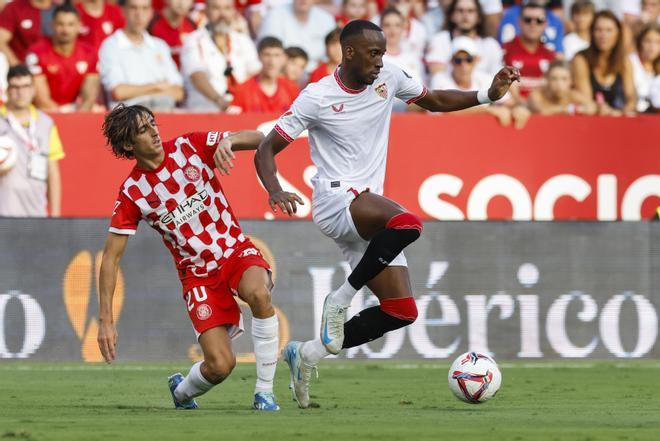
x,y
173,187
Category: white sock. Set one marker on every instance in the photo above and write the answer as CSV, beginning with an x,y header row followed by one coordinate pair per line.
x,y
194,384
265,337
344,294
313,351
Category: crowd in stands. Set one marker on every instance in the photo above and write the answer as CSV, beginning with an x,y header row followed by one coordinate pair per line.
x,y
575,56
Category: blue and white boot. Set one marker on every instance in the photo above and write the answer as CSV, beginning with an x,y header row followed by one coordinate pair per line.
x,y
332,325
265,401
301,372
173,382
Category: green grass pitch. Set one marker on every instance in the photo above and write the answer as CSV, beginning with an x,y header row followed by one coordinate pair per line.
x,y
582,401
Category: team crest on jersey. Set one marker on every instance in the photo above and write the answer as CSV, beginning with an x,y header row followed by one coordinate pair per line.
x,y
381,90
81,67
204,311
107,27
192,173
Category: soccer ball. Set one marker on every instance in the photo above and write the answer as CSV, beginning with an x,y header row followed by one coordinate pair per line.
x,y
474,377
8,156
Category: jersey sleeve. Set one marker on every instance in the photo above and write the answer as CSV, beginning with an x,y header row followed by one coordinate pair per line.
x,y
125,217
407,88
301,116
8,18
205,143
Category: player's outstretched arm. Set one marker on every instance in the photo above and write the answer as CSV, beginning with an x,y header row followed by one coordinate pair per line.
x,y
235,141
452,100
107,336
264,161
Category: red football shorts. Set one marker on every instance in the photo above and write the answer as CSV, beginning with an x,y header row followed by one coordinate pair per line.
x,y
210,301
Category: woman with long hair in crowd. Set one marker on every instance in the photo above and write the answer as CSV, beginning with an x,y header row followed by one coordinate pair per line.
x,y
603,71
644,61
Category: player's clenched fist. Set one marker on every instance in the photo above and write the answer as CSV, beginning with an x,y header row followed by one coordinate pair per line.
x,y
107,339
285,201
224,156
502,81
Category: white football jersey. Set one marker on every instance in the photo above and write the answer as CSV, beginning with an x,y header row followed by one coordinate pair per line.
x,y
349,129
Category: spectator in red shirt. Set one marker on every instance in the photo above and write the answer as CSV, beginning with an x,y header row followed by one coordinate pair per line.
x,y
352,10
296,62
333,52
21,25
527,53
268,91
172,24
64,69
99,20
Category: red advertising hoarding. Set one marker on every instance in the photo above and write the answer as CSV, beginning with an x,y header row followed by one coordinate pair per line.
x,y
440,166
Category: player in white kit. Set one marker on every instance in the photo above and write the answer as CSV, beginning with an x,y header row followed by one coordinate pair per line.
x,y
348,116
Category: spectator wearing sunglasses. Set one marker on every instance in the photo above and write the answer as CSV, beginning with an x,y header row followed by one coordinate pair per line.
x,y
463,75
527,52
464,18
553,32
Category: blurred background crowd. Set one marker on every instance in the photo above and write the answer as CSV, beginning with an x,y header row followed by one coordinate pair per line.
x,y
575,56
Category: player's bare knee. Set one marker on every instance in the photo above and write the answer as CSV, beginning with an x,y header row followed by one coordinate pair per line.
x,y
219,366
257,296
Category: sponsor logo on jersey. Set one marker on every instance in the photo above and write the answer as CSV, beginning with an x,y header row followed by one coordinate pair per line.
x,y
26,24
187,209
212,138
249,252
339,108
381,90
204,311
406,74
192,173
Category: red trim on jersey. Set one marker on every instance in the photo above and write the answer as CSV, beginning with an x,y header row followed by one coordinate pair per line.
x,y
282,133
346,88
418,97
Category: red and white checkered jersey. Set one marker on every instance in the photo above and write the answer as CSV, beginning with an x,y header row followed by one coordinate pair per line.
x,y
183,200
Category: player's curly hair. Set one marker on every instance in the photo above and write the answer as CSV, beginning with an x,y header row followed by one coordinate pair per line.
x,y
120,127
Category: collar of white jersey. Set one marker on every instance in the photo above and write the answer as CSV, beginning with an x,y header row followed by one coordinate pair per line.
x,y
123,41
344,87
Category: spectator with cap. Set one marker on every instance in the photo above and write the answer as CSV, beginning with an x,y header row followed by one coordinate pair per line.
x,y
172,24
137,68
300,24
333,54
557,96
23,23
582,15
464,18
216,59
64,68
32,187
553,27
644,60
527,53
603,72
99,19
296,63
269,90
463,75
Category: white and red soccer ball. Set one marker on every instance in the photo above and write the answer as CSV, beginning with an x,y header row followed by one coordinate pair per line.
x,y
474,377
